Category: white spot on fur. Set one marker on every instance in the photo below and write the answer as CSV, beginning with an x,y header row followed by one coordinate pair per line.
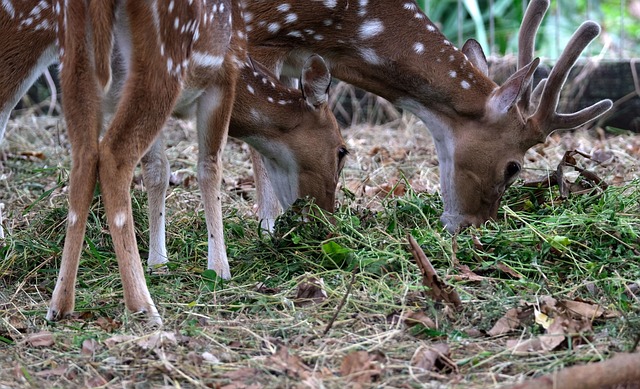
x,y
207,60
431,27
250,89
465,85
453,74
273,27
296,34
418,47
370,56
73,218
119,219
371,28
409,6
290,18
8,6
283,7
330,3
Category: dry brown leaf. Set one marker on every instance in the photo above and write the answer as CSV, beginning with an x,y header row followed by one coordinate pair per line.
x,y
419,317
389,189
506,269
510,321
310,291
289,364
360,367
157,339
89,347
59,370
468,274
96,381
434,357
583,309
438,290
242,378
517,346
108,324
117,339
40,339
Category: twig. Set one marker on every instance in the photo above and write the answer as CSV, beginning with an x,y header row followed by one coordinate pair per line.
x,y
344,300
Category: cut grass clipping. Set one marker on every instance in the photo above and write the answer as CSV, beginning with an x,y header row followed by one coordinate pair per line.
x,y
335,300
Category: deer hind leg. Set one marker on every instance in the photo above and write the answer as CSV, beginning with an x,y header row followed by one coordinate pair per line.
x,y
213,115
82,113
155,173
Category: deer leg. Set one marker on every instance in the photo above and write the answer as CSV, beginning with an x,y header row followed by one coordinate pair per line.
x,y
83,117
155,173
214,111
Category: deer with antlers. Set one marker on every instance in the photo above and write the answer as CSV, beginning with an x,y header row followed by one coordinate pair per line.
x,y
168,58
391,48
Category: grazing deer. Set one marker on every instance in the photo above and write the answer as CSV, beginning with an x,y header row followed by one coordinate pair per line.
x,y
389,47
173,52
278,122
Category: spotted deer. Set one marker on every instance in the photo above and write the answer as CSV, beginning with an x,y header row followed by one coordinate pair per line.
x,y
391,48
276,120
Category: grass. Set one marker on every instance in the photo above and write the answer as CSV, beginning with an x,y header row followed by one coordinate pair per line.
x,y
252,330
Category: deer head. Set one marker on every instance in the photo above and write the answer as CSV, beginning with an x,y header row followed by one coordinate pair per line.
x,y
294,131
488,151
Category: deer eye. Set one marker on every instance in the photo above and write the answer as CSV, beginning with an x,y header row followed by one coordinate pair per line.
x,y
342,152
513,168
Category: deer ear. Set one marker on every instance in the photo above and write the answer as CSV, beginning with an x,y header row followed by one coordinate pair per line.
x,y
474,53
315,81
506,96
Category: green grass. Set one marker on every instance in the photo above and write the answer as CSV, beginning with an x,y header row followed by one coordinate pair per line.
x,y
586,247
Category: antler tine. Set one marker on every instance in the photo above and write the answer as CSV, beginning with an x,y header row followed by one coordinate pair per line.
x,y
528,30
527,41
546,114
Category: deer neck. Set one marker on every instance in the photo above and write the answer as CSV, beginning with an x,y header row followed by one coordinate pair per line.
x,y
264,109
364,47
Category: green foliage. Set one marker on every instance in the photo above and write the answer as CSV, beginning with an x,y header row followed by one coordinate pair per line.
x,y
557,27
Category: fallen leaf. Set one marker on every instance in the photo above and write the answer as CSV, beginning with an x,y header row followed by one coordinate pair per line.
x,y
40,339
510,321
289,364
386,190
117,339
58,371
359,367
506,269
89,347
310,291
435,357
157,339
96,381
583,309
419,317
438,290
468,274
108,324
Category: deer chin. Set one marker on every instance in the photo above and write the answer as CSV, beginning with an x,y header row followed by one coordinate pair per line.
x,y
455,222
281,166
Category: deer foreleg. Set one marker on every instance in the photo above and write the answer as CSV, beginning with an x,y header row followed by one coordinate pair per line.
x,y
82,113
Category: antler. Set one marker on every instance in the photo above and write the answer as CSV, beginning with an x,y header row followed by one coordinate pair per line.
x,y
527,39
545,115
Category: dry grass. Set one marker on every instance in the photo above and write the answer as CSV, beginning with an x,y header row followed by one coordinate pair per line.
x,y
249,332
